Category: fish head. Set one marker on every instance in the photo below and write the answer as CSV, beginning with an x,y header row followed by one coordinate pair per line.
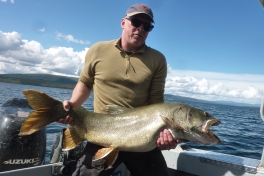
x,y
195,124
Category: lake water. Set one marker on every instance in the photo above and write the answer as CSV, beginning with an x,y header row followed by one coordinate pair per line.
x,y
241,129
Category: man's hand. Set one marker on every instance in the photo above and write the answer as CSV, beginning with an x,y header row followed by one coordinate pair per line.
x,y
80,93
67,119
166,141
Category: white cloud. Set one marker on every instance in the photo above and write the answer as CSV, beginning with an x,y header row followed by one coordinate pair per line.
x,y
10,41
70,38
215,86
12,1
42,30
23,56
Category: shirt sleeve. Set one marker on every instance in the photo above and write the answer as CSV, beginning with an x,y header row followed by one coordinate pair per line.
x,y
88,71
157,85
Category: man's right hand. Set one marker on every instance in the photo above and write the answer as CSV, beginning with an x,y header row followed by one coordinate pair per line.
x,y
80,93
67,119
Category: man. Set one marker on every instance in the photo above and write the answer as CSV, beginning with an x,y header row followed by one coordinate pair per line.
x,y
128,73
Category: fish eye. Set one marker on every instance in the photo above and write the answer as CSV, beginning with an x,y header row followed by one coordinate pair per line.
x,y
206,114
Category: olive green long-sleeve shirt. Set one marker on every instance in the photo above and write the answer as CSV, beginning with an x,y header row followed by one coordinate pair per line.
x,y
126,80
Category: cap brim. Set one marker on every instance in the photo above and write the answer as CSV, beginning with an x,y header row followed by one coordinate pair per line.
x,y
135,13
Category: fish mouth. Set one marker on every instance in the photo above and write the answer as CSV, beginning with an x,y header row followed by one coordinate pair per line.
x,y
209,136
208,123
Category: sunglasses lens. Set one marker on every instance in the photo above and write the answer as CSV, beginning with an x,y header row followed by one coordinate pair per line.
x,y
136,23
148,27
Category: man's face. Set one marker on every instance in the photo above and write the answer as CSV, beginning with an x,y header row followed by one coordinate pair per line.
x,y
135,36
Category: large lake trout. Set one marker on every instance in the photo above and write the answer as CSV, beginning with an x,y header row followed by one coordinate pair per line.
x,y
122,129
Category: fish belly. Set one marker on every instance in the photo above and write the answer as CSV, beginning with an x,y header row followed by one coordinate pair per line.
x,y
133,133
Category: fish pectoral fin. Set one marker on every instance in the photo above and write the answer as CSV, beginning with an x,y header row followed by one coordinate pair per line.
x,y
171,124
109,156
71,138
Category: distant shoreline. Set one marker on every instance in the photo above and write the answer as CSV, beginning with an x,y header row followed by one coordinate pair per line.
x,y
48,80
45,80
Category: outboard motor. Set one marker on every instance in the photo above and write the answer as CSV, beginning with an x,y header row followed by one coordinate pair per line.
x,y
19,152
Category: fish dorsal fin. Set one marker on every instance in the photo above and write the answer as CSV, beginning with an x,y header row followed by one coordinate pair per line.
x,y
114,109
109,156
71,139
171,124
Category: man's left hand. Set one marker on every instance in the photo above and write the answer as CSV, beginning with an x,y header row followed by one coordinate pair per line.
x,y
166,141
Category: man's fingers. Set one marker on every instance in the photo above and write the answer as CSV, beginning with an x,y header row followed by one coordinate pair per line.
x,y
61,121
71,122
158,144
161,141
165,138
169,141
66,105
170,137
66,120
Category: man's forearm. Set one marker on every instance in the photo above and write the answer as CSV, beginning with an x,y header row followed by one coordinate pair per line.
x,y
80,94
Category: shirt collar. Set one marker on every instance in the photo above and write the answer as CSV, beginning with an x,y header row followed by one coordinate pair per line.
x,y
141,49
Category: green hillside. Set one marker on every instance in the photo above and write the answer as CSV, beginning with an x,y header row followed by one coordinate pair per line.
x,y
45,80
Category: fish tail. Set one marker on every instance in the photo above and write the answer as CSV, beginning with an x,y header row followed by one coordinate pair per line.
x,y
44,112
38,100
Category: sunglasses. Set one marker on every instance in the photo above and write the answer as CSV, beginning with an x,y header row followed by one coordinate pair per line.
x,y
136,23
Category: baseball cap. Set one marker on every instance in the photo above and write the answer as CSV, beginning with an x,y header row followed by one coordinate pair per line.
x,y
138,9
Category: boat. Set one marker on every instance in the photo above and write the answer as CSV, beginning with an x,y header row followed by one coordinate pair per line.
x,y
25,155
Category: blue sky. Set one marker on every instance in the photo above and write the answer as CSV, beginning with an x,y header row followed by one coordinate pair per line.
x,y
214,49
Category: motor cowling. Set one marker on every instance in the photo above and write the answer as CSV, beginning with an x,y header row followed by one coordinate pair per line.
x,y
19,152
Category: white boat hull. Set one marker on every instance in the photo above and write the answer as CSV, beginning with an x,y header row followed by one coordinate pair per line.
x,y
181,161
